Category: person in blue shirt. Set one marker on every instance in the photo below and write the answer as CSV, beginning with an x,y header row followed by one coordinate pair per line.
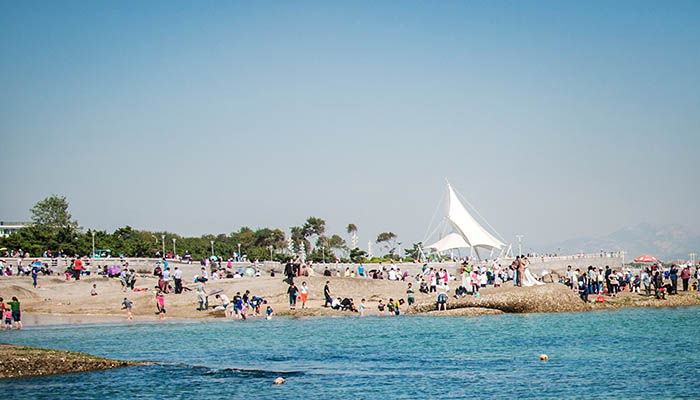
x,y
361,270
673,274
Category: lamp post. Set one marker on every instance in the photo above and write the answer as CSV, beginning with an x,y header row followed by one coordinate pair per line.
x,y
162,238
93,244
270,246
520,244
212,247
239,252
174,253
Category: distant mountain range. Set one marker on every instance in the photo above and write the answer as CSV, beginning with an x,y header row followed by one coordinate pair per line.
x,y
667,242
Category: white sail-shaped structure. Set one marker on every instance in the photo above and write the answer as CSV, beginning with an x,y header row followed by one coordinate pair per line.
x,y
467,232
472,232
449,242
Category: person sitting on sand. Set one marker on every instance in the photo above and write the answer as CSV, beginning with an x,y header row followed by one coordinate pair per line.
x,y
347,304
423,286
335,304
126,305
93,292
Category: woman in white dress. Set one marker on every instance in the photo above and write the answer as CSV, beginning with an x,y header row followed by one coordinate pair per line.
x,y
528,278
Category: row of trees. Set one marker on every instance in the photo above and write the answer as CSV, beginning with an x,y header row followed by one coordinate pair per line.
x,y
54,229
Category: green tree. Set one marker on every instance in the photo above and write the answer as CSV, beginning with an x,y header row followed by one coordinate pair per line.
x,y
52,215
389,241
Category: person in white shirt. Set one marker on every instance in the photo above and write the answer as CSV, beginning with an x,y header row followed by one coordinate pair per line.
x,y
177,278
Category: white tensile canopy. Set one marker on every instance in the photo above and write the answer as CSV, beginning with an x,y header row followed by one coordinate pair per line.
x,y
472,232
467,232
449,242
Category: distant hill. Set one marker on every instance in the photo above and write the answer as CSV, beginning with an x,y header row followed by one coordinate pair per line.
x,y
667,242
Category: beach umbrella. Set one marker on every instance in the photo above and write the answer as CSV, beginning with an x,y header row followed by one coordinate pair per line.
x,y
646,258
249,271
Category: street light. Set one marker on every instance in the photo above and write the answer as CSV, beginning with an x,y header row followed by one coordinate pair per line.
x,y
174,248
270,246
212,247
93,244
239,252
520,244
162,238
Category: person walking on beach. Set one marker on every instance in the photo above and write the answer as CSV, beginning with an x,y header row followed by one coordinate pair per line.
x,y
16,314
327,294
123,279
35,274
202,296
77,268
126,305
292,291
304,293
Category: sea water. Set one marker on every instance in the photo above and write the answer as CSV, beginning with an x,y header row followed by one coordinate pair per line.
x,y
631,353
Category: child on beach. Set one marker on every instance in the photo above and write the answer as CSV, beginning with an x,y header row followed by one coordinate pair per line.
x,y
93,292
304,292
160,304
410,294
127,306
362,307
7,315
268,313
244,310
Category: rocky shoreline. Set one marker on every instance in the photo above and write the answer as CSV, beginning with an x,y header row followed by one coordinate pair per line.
x,y
23,361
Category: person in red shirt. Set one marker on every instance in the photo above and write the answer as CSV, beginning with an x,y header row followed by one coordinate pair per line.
x,y
685,276
77,268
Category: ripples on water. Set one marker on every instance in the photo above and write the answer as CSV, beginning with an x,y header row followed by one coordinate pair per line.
x,y
633,353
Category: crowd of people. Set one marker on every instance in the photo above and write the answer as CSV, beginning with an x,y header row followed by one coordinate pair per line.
x,y
663,281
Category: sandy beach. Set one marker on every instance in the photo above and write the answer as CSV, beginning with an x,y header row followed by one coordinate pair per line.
x,y
57,301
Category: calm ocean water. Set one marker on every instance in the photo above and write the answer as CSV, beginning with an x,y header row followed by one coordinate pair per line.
x,y
632,353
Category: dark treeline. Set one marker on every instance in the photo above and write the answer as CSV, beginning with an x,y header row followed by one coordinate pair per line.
x,y
53,230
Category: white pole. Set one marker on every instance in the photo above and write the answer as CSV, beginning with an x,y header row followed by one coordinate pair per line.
x,y
93,244
174,252
162,238
520,244
239,252
212,247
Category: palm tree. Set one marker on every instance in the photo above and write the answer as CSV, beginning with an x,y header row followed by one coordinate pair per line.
x,y
352,230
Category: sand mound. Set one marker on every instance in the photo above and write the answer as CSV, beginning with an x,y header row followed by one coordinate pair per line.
x,y
551,297
20,292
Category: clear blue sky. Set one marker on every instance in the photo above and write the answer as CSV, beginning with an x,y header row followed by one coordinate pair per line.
x,y
555,119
